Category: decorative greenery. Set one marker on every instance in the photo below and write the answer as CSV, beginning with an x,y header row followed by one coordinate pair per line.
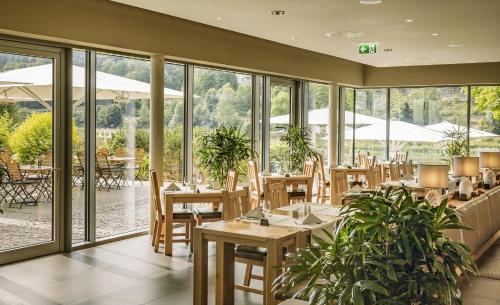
x,y
455,143
389,249
300,146
223,149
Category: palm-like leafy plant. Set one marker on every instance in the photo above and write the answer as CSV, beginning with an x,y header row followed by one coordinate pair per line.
x,y
388,249
300,146
455,143
224,149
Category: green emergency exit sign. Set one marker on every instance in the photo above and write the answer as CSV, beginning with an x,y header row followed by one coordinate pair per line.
x,y
368,48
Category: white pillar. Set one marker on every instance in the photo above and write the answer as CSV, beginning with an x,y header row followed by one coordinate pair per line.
x,y
156,124
333,125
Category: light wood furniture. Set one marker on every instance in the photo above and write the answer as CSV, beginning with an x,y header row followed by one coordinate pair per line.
x,y
339,185
363,159
121,152
323,183
232,181
171,198
407,168
179,216
226,235
254,183
394,171
400,156
292,180
296,195
277,194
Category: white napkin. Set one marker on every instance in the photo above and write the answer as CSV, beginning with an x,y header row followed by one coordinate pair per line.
x,y
255,213
356,189
311,219
172,188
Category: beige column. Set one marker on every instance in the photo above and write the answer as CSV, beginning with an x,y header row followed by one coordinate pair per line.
x,y
333,125
156,124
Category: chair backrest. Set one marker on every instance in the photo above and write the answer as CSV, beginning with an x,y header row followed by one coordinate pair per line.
x,y
121,152
401,156
277,195
394,171
14,170
254,183
46,159
104,151
309,168
101,160
4,157
139,155
407,167
339,184
362,159
377,175
371,161
321,170
80,155
236,203
156,194
232,181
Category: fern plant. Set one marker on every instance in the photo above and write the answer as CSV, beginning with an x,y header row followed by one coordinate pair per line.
x,y
387,249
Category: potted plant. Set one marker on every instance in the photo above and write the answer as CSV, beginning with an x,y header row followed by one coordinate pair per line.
x,y
387,249
455,144
299,145
223,149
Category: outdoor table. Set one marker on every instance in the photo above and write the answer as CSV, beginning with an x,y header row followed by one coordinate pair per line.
x,y
288,180
283,231
170,198
115,159
35,169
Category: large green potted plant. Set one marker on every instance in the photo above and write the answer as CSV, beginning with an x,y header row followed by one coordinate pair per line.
x,y
454,144
223,149
298,140
387,249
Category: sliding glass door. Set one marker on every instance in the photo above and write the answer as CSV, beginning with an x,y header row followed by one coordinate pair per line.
x,y
30,151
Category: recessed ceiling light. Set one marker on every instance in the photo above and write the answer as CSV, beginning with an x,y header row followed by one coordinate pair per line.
x,y
293,38
435,34
370,1
329,34
218,18
351,35
455,45
409,20
278,12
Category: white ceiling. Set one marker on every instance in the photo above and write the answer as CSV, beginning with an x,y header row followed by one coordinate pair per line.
x,y
475,24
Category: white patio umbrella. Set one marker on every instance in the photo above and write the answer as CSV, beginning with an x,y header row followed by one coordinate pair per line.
x,y
447,126
399,131
321,117
35,83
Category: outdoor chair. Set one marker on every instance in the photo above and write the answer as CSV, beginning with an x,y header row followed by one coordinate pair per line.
x,y
135,166
79,169
22,189
107,175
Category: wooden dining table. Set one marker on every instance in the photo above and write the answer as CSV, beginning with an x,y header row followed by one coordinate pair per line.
x,y
291,180
353,171
282,232
205,195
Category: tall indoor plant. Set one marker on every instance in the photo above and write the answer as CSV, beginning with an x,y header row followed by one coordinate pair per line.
x,y
298,140
389,249
223,149
455,143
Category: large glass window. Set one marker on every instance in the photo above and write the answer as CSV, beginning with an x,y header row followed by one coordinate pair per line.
x,y
485,119
318,117
122,144
281,99
370,122
220,98
347,157
173,147
421,118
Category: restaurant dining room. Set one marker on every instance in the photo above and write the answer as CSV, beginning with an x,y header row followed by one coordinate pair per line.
x,y
324,152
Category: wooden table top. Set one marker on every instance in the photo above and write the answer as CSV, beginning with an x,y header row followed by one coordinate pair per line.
x,y
352,169
285,178
248,231
409,185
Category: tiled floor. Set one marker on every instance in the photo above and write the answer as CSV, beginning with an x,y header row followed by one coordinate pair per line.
x,y
129,272
121,273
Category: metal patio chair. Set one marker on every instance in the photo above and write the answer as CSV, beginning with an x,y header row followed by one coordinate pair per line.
x,y
107,175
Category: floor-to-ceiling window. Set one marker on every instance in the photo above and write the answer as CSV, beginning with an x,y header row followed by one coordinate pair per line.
x,y
173,141
485,119
280,116
423,118
122,145
348,125
220,98
318,117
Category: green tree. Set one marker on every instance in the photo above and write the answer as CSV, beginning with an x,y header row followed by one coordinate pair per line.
x,y
487,100
406,113
5,129
143,116
206,79
280,101
108,116
173,152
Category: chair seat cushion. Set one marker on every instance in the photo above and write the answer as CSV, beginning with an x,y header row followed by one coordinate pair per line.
x,y
297,193
489,263
254,253
207,212
182,214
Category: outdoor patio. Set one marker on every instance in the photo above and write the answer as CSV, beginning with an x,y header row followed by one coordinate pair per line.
x,y
117,212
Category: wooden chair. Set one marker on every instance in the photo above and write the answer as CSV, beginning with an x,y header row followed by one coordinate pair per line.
x,y
254,184
363,159
371,161
121,152
22,190
323,183
400,156
309,170
232,181
236,203
394,171
277,195
407,167
374,177
339,186
103,151
181,216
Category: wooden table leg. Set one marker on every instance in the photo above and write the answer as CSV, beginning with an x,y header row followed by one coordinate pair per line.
x,y
274,258
224,279
200,270
168,227
309,190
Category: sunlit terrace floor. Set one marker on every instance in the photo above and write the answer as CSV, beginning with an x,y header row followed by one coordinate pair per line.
x,y
118,211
